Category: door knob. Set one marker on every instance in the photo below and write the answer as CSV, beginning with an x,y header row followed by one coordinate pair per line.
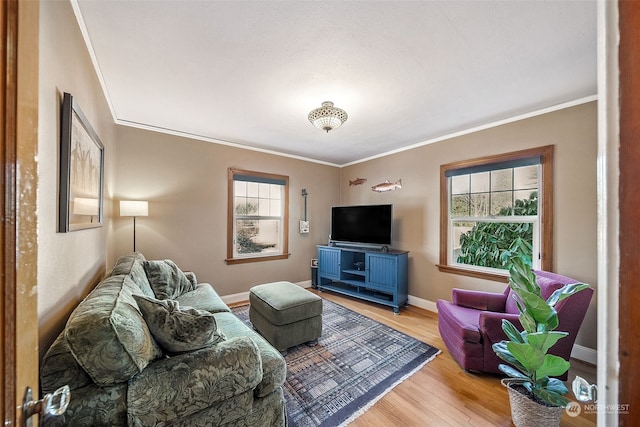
x,y
584,391
51,404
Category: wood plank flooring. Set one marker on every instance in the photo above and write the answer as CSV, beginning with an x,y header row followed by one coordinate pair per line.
x,y
441,393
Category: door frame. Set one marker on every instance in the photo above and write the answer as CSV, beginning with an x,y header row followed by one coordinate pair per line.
x,y
19,28
629,189
8,123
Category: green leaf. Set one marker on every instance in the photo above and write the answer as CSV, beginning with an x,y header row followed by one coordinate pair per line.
x,y
530,357
500,348
512,372
551,324
527,321
551,397
565,292
537,307
556,386
521,276
552,366
512,332
545,340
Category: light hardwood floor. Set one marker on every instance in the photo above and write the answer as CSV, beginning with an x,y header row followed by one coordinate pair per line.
x,y
441,393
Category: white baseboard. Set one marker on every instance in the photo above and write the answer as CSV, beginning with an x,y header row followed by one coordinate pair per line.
x,y
423,303
233,298
585,354
305,284
244,296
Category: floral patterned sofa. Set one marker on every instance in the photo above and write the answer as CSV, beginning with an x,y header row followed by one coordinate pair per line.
x,y
149,346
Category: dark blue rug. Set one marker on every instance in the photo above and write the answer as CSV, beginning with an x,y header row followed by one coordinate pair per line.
x,y
356,362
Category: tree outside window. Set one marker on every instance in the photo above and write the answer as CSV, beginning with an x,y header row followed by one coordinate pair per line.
x,y
492,209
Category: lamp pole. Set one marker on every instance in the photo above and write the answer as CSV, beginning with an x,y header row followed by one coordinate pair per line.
x,y
134,208
134,234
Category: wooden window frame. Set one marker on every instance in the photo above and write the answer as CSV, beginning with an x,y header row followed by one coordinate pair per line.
x,y
545,215
230,218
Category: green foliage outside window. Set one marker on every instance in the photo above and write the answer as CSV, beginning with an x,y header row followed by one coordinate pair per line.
x,y
246,243
247,230
494,244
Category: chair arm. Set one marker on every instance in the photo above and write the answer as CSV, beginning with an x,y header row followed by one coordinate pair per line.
x,y
486,301
490,325
175,387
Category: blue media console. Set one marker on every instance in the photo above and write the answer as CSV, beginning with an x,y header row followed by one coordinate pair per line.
x,y
375,276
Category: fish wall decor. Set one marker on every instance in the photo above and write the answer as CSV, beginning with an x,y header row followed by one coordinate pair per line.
x,y
357,181
387,186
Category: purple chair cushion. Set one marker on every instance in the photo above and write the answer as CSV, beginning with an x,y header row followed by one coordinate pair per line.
x,y
479,300
470,355
462,321
548,282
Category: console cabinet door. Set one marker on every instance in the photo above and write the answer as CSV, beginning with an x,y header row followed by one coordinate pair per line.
x,y
382,272
329,263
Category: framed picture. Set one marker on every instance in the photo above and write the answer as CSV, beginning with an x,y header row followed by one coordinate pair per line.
x,y
80,203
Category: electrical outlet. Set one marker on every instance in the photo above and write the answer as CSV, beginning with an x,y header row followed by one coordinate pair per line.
x,y
304,227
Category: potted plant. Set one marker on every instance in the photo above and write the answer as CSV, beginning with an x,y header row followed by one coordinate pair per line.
x,y
531,382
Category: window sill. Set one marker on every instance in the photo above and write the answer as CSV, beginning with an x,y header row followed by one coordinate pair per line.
x,y
231,261
471,273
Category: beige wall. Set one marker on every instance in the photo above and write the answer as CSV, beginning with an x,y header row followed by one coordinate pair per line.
x,y
69,264
185,182
416,206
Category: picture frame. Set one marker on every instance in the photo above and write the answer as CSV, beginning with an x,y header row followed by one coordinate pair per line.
x,y
81,197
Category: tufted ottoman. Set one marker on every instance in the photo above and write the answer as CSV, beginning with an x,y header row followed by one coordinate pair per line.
x,y
285,314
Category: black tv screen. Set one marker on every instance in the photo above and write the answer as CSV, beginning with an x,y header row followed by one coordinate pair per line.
x,y
368,224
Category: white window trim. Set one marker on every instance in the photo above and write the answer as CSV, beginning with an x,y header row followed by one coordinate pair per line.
x,y
233,257
545,209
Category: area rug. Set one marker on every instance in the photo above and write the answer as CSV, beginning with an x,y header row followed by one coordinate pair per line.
x,y
356,362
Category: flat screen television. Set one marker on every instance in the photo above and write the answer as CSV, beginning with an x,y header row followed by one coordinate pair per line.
x,y
361,224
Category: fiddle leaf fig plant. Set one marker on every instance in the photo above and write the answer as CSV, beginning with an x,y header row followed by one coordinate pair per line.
x,y
527,350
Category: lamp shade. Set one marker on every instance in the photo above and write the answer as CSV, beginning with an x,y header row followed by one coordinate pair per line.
x,y
85,206
134,208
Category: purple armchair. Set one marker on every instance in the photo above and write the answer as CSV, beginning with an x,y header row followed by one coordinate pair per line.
x,y
472,322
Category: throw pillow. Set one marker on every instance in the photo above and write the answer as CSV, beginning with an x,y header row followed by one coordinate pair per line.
x,y
191,276
166,279
179,329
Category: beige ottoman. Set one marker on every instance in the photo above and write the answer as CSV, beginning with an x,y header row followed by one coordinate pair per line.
x,y
285,314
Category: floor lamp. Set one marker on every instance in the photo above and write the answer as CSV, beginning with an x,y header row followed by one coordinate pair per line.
x,y
86,206
134,208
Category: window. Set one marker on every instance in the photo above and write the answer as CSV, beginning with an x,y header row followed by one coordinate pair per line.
x,y
494,208
257,225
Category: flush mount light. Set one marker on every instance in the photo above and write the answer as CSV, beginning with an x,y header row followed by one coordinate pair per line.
x,y
327,117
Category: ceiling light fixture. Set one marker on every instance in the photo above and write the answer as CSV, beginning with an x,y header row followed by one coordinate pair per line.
x,y
327,117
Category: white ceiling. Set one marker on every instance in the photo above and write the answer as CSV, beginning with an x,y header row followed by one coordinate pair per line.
x,y
249,72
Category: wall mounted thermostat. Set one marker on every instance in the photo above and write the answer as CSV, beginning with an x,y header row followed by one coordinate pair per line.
x,y
304,227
